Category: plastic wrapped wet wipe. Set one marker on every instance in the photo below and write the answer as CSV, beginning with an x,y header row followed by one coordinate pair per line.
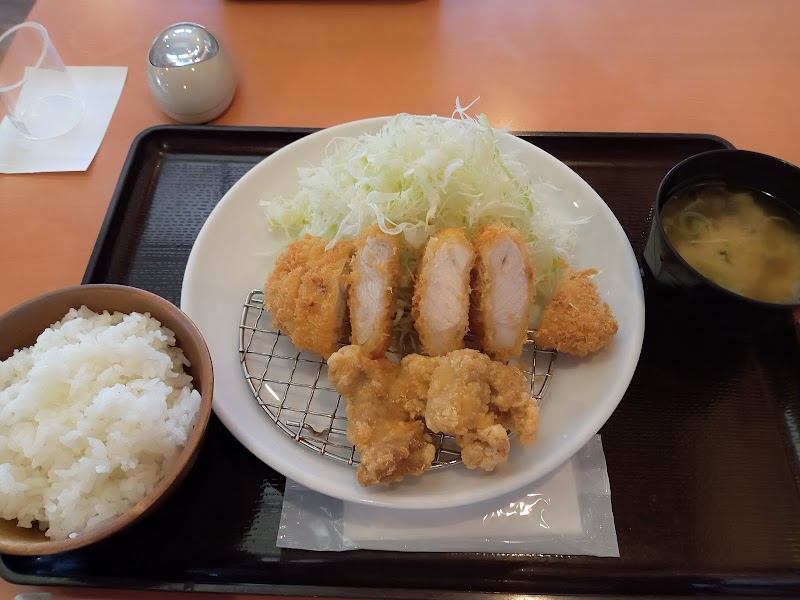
x,y
568,512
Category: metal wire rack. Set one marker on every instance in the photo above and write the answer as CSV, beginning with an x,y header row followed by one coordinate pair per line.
x,y
294,390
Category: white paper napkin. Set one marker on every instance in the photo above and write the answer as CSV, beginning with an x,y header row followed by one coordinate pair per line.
x,y
551,506
100,88
568,512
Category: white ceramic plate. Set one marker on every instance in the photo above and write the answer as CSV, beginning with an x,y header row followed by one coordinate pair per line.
x,y
232,255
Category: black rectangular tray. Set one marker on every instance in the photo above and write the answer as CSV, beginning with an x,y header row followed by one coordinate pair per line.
x,y
702,451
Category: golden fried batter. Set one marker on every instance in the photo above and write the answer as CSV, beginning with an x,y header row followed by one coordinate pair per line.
x,y
410,387
390,442
503,291
463,393
322,301
440,306
373,290
475,399
484,448
280,289
576,320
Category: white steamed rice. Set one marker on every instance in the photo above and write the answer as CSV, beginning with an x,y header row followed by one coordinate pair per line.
x,y
91,417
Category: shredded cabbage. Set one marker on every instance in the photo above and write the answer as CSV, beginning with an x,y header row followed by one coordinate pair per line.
x,y
420,174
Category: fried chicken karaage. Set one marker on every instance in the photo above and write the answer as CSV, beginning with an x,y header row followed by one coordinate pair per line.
x,y
463,393
476,399
379,394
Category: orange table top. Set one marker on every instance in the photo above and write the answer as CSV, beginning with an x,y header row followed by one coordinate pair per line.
x,y
725,67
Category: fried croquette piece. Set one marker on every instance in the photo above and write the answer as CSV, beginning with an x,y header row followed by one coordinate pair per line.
x,y
390,442
576,320
373,290
503,291
283,283
440,306
474,399
322,300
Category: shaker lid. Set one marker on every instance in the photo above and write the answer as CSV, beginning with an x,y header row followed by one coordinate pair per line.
x,y
183,44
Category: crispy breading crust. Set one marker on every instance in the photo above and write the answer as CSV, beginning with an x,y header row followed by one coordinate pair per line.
x,y
410,388
576,320
280,289
481,323
378,336
484,449
432,342
475,399
318,322
511,394
390,442
463,393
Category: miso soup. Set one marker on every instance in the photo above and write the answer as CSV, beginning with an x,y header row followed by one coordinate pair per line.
x,y
743,240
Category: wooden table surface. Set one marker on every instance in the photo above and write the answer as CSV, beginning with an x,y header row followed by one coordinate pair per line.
x,y
727,67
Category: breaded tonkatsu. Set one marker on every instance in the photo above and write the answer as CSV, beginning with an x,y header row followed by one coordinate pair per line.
x,y
306,293
441,300
373,290
503,291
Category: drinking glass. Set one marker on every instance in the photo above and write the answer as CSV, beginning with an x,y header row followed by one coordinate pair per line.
x,y
36,91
